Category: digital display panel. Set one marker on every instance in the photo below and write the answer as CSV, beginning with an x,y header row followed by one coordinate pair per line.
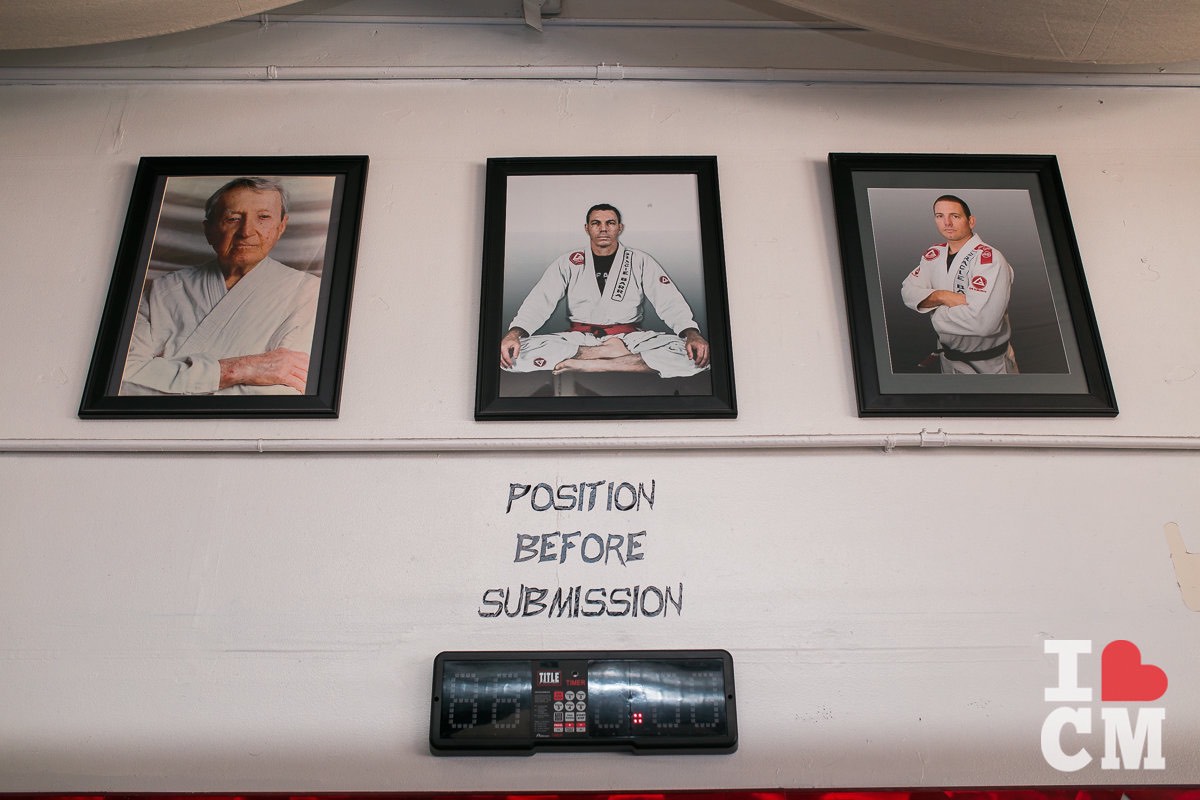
x,y
658,698
522,702
487,699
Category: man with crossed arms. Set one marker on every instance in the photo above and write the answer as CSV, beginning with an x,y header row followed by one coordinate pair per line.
x,y
964,287
605,286
239,324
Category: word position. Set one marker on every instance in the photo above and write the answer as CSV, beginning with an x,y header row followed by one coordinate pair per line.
x,y
623,496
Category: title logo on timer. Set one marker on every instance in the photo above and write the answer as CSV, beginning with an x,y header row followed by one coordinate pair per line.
x,y
1129,731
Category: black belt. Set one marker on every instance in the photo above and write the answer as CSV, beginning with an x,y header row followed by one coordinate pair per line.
x,y
975,355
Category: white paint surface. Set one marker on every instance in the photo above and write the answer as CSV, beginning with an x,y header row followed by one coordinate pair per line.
x,y
284,639
269,622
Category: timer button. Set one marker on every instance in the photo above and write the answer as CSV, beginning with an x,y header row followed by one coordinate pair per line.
x,y
580,706
570,695
580,695
558,706
570,706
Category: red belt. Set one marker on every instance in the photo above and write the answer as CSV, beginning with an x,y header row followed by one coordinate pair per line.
x,y
602,330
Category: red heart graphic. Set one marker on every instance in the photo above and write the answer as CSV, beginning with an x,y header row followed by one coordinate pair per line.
x,y
1123,676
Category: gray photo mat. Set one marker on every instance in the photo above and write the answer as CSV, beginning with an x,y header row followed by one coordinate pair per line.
x,y
897,227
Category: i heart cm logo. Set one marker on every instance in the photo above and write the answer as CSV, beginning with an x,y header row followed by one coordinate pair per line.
x,y
1124,678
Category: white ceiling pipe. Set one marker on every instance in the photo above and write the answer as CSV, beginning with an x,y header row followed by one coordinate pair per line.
x,y
873,441
598,73
265,20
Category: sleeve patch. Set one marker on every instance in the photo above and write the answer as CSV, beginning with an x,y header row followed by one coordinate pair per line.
x,y
930,254
979,283
578,257
985,254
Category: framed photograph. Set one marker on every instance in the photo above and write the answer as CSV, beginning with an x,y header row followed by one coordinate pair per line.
x,y
231,292
603,290
964,288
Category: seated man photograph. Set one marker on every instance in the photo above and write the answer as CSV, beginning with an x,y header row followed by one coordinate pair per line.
x,y
605,286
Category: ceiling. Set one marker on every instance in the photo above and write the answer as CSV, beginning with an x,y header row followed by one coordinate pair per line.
x,y
1121,32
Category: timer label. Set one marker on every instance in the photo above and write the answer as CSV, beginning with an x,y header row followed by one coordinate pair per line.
x,y
543,714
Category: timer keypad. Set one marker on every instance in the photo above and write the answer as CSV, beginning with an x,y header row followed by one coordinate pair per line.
x,y
559,707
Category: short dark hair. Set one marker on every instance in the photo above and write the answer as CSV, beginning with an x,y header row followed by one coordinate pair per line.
x,y
257,184
602,207
955,199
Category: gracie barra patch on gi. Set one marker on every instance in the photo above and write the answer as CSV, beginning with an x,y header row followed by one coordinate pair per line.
x,y
578,257
979,283
985,253
622,281
539,362
930,254
663,279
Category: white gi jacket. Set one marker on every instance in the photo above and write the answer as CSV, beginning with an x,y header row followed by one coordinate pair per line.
x,y
634,275
188,321
983,275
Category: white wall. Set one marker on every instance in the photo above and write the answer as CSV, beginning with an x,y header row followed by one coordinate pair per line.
x,y
241,622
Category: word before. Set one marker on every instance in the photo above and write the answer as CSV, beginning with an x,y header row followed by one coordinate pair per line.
x,y
583,496
576,601
592,548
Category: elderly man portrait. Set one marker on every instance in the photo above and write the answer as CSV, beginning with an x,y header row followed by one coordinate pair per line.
x,y
241,323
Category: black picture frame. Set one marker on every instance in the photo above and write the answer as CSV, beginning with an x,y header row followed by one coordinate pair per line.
x,y
165,234
884,205
535,216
